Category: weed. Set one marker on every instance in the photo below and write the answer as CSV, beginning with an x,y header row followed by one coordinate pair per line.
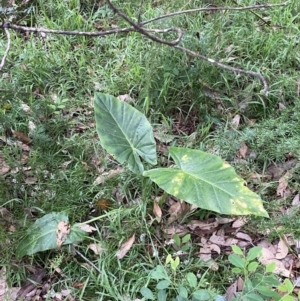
x,y
258,285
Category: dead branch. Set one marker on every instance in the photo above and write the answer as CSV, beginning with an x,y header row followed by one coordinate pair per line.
x,y
6,50
67,32
226,67
138,27
89,33
195,54
143,31
224,8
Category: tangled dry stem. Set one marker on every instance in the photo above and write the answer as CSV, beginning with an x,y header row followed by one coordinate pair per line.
x,y
139,27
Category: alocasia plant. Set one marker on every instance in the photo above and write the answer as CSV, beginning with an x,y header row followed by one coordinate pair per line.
x,y
199,178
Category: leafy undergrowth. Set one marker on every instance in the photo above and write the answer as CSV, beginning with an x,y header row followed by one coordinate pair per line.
x,y
142,243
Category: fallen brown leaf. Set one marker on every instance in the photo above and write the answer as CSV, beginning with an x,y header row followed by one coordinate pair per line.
x,y
243,236
126,246
224,220
267,245
282,249
79,285
177,210
157,211
230,241
30,180
125,98
108,175
218,240
268,257
240,284
243,150
96,248
180,230
239,222
231,291
62,232
25,108
205,254
236,121
6,292
85,227
296,201
12,228
283,184
31,127
22,137
4,168
29,287
194,224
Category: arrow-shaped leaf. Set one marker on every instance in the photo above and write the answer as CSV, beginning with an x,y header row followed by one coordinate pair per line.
x,y
205,180
124,132
42,235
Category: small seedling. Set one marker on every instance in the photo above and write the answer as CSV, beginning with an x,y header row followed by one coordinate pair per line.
x,y
260,283
187,287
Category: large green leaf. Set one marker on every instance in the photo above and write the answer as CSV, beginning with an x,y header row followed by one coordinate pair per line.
x,y
41,235
124,132
208,182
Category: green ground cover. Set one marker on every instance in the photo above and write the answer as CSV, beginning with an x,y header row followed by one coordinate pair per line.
x,y
46,95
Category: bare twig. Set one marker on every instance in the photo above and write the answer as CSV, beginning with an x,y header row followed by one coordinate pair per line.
x,y
213,9
226,67
84,258
7,48
196,54
144,31
84,33
69,32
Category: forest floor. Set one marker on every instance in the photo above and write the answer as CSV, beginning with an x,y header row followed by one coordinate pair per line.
x,y
51,160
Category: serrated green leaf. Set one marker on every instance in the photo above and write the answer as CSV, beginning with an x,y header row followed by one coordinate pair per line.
x,y
205,180
147,293
41,236
237,261
253,253
124,132
163,284
237,250
192,279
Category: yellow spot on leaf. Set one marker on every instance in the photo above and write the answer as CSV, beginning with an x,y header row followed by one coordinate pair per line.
x,y
185,158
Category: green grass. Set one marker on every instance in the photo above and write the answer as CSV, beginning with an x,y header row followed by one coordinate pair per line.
x,y
56,76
